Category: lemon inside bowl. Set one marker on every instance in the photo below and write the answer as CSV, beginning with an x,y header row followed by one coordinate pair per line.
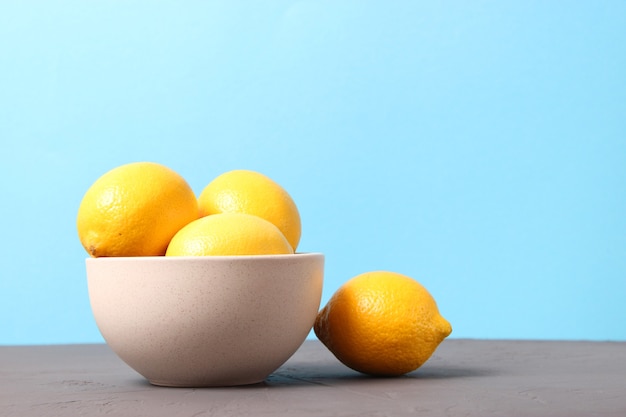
x,y
202,321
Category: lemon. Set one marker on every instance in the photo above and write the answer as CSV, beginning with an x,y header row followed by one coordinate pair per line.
x,y
229,234
134,210
381,323
250,192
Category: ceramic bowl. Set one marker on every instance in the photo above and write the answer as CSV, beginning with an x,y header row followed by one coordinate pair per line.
x,y
205,321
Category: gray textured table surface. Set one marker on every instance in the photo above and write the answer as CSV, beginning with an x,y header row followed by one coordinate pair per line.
x,y
463,378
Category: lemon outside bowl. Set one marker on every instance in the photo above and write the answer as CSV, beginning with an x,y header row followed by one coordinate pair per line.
x,y
205,321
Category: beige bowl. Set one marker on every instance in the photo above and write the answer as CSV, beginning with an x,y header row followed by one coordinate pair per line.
x,y
205,321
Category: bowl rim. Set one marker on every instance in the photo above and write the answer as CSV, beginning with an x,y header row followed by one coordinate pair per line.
x,y
208,258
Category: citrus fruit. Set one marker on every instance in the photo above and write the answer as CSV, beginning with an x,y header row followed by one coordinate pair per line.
x,y
250,192
229,234
134,210
381,323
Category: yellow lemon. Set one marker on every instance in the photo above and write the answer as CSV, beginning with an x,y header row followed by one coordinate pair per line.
x,y
134,210
250,192
382,323
229,234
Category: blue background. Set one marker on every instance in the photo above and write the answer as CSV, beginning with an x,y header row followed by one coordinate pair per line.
x,y
478,147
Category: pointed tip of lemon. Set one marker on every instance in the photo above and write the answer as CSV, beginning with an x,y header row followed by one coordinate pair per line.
x,y
444,326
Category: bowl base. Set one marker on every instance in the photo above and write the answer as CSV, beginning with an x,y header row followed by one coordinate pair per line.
x,y
204,384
